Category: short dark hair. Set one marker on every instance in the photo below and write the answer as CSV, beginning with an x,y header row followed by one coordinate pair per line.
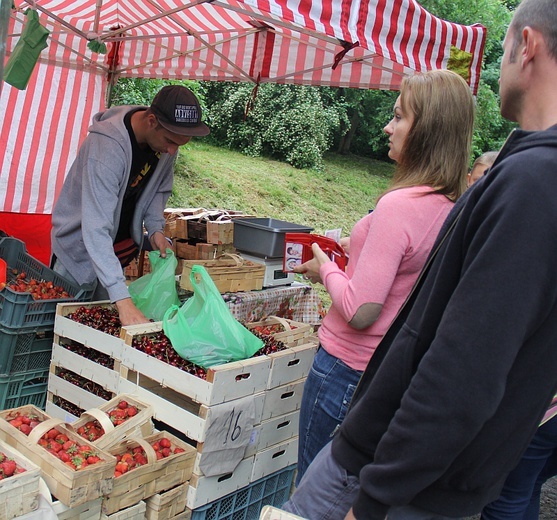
x,y
541,15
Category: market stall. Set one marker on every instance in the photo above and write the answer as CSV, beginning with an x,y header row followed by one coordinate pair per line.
x,y
123,395
359,44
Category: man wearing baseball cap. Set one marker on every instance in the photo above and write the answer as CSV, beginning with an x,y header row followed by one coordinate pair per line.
x,y
118,185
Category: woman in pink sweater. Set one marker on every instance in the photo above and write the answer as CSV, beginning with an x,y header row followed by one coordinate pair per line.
x,y
429,139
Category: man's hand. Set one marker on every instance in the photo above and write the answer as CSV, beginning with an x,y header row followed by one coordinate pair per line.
x,y
159,243
129,313
350,515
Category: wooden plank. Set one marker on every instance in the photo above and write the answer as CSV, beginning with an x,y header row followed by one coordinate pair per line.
x,y
283,399
291,364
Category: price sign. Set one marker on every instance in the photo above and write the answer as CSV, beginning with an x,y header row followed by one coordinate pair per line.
x,y
229,430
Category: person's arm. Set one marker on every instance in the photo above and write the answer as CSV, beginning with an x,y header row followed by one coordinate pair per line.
x,y
360,298
103,182
365,315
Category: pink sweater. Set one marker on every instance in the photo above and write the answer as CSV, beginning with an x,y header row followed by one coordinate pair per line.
x,y
388,249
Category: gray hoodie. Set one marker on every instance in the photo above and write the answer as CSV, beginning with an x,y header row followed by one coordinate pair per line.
x,y
86,215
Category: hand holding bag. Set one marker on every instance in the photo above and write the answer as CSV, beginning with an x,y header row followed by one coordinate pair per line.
x,y
203,330
154,293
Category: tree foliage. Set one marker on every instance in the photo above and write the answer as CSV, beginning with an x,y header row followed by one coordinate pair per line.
x,y
299,124
292,123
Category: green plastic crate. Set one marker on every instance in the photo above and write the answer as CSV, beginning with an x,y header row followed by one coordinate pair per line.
x,y
26,388
247,503
19,309
24,350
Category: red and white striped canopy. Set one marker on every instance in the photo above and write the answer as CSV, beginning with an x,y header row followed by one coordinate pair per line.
x,y
349,43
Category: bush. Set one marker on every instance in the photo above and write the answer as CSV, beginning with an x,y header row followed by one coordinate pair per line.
x,y
286,122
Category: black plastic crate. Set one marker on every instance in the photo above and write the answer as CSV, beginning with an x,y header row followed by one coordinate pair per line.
x,y
20,309
25,388
23,350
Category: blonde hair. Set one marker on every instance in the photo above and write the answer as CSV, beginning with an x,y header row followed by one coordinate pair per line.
x,y
436,151
486,159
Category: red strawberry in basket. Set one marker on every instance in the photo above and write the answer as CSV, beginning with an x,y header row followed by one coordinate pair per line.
x,y
8,467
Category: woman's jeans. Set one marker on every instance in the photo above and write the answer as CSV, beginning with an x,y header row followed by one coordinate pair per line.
x,y
328,391
520,497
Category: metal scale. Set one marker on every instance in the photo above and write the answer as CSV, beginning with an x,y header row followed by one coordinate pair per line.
x,y
274,275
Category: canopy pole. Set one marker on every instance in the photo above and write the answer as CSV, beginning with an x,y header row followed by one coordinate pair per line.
x,y
5,7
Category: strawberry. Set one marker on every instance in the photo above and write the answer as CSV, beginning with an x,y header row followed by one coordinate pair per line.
x,y
8,467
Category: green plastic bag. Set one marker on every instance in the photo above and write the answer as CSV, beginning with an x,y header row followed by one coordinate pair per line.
x,y
26,52
154,293
203,330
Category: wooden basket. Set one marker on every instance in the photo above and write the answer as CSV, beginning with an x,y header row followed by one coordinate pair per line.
x,y
294,333
231,273
71,487
151,478
166,505
135,512
137,426
19,494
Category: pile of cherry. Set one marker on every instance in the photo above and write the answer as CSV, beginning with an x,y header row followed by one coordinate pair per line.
x,y
82,382
157,344
75,455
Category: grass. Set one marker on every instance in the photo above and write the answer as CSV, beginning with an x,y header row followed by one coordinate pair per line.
x,y
347,188
337,197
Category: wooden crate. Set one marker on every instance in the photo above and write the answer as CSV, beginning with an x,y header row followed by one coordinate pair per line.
x,y
205,251
88,511
153,477
134,426
274,458
283,399
223,383
291,364
19,494
135,512
203,490
108,378
54,410
67,328
178,411
185,250
292,333
220,231
79,396
274,431
231,273
167,504
67,485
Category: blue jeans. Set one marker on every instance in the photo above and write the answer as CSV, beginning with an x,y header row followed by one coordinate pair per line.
x,y
328,391
327,492
520,497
